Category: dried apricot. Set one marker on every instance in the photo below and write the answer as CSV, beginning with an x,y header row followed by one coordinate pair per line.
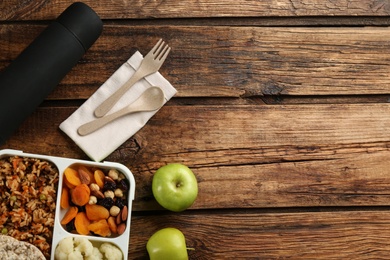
x,y
80,194
96,212
100,228
64,203
68,184
99,178
69,215
81,223
72,176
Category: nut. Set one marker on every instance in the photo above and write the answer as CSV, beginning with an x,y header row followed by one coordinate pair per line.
x,y
118,219
94,187
109,184
84,176
118,193
124,213
92,200
121,176
113,174
109,194
108,179
112,225
121,228
114,211
98,194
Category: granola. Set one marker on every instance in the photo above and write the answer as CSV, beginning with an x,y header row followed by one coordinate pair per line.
x,y
28,191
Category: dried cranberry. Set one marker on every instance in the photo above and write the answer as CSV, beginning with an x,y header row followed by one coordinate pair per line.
x,y
120,203
106,202
70,226
109,184
81,208
123,185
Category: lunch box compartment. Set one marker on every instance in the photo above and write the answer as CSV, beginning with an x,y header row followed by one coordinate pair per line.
x,y
121,241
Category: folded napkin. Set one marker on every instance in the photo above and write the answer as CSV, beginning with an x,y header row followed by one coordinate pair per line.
x,y
101,143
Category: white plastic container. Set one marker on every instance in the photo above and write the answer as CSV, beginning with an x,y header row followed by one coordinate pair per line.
x,y
121,241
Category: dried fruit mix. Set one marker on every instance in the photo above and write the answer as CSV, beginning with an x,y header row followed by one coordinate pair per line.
x,y
95,200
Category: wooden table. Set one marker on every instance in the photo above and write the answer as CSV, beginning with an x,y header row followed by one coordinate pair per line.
x,y
282,112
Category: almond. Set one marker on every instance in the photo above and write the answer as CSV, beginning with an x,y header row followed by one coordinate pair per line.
x,y
119,219
113,226
121,228
109,184
97,193
124,213
84,176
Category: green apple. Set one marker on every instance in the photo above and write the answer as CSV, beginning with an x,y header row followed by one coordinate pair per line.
x,y
167,244
175,187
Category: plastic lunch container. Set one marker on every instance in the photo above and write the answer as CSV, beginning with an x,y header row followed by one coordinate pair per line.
x,y
121,241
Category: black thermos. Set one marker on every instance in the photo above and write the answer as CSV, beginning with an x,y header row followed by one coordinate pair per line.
x,y
31,77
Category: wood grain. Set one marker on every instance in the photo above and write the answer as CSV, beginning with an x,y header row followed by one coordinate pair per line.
x,y
133,9
269,156
253,235
282,113
232,61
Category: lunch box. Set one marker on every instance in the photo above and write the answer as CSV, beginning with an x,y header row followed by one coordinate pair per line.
x,y
121,241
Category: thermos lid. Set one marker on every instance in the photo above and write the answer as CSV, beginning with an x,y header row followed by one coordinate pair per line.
x,y
82,22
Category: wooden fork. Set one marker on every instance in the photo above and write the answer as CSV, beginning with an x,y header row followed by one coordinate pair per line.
x,y
150,64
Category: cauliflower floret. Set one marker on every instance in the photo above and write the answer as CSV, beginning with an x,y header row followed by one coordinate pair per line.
x,y
64,248
77,249
83,245
75,255
111,252
96,255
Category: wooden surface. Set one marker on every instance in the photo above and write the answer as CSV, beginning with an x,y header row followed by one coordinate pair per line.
x,y
282,112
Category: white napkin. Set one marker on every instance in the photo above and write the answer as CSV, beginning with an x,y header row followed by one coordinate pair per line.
x,y
101,143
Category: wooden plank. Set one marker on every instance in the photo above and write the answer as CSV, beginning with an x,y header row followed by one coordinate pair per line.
x,y
267,153
232,61
352,180
251,235
318,129
132,9
269,156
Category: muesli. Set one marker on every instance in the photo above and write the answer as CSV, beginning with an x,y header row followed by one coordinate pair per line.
x,y
28,192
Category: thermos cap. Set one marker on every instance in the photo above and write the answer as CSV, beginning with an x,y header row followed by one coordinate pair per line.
x,y
82,22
